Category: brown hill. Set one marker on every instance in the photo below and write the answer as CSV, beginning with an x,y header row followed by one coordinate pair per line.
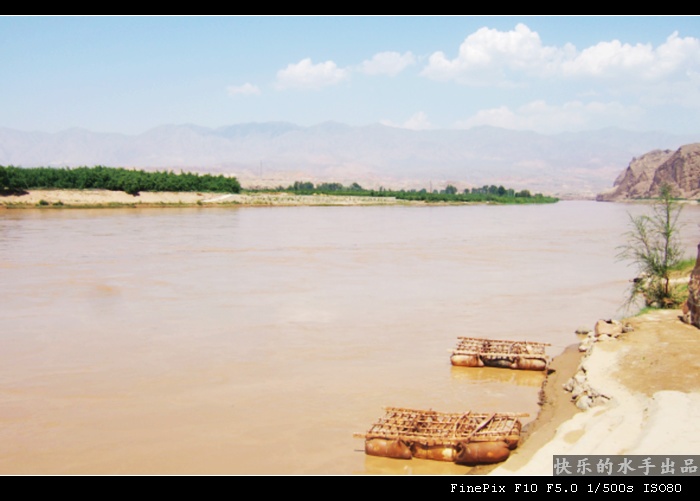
x,y
645,175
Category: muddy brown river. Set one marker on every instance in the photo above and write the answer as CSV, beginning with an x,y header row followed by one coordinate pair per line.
x,y
259,340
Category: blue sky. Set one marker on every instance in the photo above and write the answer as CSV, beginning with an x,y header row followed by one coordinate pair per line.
x,y
547,74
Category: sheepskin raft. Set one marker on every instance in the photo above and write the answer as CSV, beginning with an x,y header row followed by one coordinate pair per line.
x,y
468,438
477,352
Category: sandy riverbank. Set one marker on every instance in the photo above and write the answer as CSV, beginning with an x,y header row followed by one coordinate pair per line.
x,y
650,382
106,198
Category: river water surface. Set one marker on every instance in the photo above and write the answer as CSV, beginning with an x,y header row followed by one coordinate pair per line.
x,y
259,340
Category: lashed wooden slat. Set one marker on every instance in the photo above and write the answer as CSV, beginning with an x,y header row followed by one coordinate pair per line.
x,y
429,427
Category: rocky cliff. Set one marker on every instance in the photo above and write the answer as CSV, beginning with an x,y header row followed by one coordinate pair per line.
x,y
691,309
645,175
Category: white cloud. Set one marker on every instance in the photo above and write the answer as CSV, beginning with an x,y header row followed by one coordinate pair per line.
x,y
387,63
487,53
418,121
306,75
606,57
640,60
677,53
498,57
245,89
542,117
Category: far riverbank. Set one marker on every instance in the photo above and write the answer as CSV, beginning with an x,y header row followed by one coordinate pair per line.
x,y
106,198
50,198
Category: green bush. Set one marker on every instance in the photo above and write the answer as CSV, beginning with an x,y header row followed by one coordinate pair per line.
x,y
654,248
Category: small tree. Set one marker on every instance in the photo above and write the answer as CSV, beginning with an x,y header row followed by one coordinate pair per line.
x,y
653,246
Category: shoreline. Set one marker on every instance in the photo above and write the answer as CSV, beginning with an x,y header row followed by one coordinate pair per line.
x,y
649,404
556,407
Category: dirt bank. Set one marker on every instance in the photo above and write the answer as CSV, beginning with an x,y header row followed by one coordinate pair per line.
x,y
651,378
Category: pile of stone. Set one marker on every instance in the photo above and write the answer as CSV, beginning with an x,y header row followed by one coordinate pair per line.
x,y
604,330
582,393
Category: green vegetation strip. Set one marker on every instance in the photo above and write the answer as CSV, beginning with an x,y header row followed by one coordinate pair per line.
x,y
17,179
492,194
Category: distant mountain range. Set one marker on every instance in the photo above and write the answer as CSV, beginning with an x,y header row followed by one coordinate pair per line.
x,y
271,153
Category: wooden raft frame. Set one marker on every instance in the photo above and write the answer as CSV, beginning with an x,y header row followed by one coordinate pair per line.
x,y
430,427
479,352
464,438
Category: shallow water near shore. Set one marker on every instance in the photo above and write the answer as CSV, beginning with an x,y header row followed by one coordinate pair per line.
x,y
258,340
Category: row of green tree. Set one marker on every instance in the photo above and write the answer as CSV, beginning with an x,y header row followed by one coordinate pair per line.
x,y
110,178
450,193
